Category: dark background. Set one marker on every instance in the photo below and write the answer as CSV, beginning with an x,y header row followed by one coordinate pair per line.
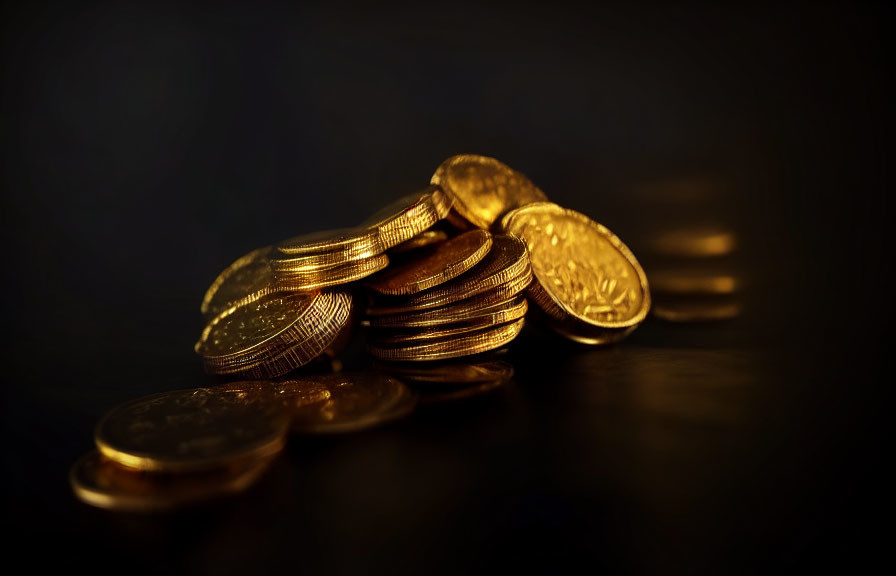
x,y
148,145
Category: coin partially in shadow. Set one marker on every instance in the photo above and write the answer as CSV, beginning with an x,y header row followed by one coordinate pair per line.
x,y
335,403
100,482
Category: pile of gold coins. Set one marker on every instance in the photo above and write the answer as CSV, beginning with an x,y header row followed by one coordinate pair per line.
x,y
439,282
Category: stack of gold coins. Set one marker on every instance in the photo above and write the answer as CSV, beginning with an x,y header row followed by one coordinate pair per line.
x,y
587,284
459,297
176,448
280,307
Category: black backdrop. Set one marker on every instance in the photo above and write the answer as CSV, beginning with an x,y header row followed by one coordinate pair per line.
x,y
148,145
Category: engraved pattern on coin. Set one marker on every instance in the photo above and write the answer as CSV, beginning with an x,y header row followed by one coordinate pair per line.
x,y
484,188
577,262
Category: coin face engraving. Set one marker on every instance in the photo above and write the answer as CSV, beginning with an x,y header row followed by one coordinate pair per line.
x,y
483,189
190,430
583,266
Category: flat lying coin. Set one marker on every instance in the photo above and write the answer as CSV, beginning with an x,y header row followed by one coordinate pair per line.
x,y
433,266
465,345
583,272
190,430
410,215
336,403
484,189
361,241
330,277
100,482
421,240
247,279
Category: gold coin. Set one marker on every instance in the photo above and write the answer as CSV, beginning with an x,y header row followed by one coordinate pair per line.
x,y
100,482
686,281
466,345
361,240
494,300
247,279
317,280
695,242
335,403
189,430
508,311
484,189
433,266
421,240
583,272
697,311
409,215
452,372
267,327
506,261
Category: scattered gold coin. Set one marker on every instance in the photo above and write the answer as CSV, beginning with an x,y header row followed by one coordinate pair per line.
x,y
191,430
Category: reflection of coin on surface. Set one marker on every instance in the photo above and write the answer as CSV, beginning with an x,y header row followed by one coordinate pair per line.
x,y
100,482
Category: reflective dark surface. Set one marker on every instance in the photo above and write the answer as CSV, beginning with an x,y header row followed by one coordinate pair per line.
x,y
146,147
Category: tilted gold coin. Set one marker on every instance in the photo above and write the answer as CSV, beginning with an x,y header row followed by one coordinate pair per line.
x,y
484,189
583,272
461,323
360,241
409,215
335,403
506,261
421,240
190,430
433,266
247,279
100,482
317,280
465,345
270,325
